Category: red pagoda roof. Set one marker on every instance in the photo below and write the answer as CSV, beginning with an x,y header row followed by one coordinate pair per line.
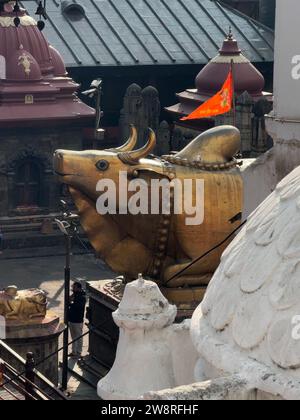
x,y
212,77
246,77
34,85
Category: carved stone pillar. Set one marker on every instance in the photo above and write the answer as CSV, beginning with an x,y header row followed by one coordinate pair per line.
x,y
131,111
176,141
163,139
261,140
244,114
141,108
150,111
244,104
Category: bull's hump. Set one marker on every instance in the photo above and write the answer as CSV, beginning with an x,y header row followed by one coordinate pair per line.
x,y
218,145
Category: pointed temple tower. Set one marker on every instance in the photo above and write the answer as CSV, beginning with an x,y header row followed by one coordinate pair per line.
x,y
252,103
39,112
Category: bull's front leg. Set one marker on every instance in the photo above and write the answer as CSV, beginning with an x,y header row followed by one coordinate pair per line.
x,y
130,257
102,232
121,252
190,277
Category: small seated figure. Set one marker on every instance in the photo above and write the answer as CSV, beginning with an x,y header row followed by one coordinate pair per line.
x,y
23,305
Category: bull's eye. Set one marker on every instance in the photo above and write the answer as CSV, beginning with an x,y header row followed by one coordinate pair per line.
x,y
102,165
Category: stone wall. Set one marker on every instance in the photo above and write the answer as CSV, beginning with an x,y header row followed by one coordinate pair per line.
x,y
283,123
17,145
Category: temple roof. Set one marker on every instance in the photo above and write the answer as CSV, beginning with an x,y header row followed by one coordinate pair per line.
x,y
246,77
34,85
149,32
212,77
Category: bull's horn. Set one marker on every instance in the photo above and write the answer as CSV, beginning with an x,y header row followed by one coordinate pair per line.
x,y
133,157
131,142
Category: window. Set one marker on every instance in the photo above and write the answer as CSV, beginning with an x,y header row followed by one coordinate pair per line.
x,y
28,185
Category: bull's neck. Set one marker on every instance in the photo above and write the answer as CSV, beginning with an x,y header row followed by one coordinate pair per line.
x,y
143,228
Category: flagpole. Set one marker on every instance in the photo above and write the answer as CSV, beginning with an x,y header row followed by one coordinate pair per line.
x,y
233,96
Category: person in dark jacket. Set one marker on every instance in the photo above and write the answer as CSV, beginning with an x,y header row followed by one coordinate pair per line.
x,y
76,318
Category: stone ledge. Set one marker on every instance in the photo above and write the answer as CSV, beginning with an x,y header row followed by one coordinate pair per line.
x,y
37,328
229,388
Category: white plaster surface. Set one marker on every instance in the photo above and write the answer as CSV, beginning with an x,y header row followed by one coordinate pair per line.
x,y
152,353
184,354
286,78
251,331
230,388
283,123
260,178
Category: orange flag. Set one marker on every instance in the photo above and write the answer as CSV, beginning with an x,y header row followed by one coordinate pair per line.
x,y
219,104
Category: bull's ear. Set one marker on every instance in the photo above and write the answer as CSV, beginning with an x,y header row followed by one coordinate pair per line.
x,y
130,144
133,157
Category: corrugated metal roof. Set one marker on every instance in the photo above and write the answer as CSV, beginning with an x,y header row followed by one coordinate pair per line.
x,y
149,32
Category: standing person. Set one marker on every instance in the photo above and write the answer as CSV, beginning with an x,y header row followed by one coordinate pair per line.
x,y
76,318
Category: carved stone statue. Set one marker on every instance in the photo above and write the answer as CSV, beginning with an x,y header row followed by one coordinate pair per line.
x,y
23,305
141,108
160,245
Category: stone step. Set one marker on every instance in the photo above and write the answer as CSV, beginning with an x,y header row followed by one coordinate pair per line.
x,y
41,252
30,236
6,221
21,240
10,394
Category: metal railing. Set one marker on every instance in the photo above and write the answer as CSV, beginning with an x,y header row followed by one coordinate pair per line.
x,y
26,383
29,376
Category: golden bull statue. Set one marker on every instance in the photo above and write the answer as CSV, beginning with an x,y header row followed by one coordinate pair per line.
x,y
160,245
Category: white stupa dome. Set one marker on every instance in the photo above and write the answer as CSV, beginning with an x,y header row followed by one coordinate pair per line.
x,y
249,321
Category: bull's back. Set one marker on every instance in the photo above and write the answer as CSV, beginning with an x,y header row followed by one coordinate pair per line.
x,y
221,200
